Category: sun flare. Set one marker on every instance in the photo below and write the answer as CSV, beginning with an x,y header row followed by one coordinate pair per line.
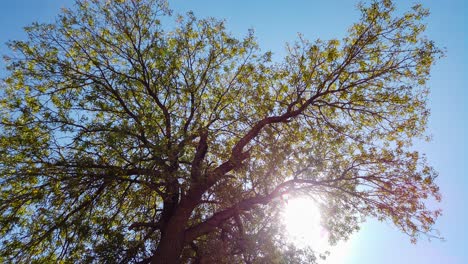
x,y
302,219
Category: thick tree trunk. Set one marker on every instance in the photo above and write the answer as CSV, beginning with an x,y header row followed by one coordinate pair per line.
x,y
172,240
171,244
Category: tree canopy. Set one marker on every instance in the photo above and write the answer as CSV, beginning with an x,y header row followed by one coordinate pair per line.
x,y
125,138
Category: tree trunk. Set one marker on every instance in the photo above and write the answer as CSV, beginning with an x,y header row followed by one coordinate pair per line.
x,y
170,246
171,243
172,240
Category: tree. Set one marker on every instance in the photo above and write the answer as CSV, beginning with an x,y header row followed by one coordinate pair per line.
x,y
127,140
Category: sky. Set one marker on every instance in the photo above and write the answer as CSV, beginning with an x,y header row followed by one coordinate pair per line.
x,y
276,22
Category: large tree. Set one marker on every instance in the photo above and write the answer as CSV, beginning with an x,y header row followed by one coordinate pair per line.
x,y
124,139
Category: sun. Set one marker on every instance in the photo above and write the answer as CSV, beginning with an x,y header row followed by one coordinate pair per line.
x,y
302,219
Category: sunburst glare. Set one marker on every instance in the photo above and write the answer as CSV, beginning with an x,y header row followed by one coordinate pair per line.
x,y
302,219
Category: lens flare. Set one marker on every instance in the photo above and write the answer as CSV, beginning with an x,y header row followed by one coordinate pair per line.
x,y
302,219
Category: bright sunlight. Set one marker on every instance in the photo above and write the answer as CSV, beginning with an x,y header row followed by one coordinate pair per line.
x,y
303,225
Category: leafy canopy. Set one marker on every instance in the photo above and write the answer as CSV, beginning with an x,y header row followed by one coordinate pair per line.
x,y
124,139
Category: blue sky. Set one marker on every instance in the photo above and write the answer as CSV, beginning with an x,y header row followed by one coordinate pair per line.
x,y
278,22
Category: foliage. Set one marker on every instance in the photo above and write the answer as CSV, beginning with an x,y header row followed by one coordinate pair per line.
x,y
123,139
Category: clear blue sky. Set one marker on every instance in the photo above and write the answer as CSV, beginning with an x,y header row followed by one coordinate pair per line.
x,y
277,22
